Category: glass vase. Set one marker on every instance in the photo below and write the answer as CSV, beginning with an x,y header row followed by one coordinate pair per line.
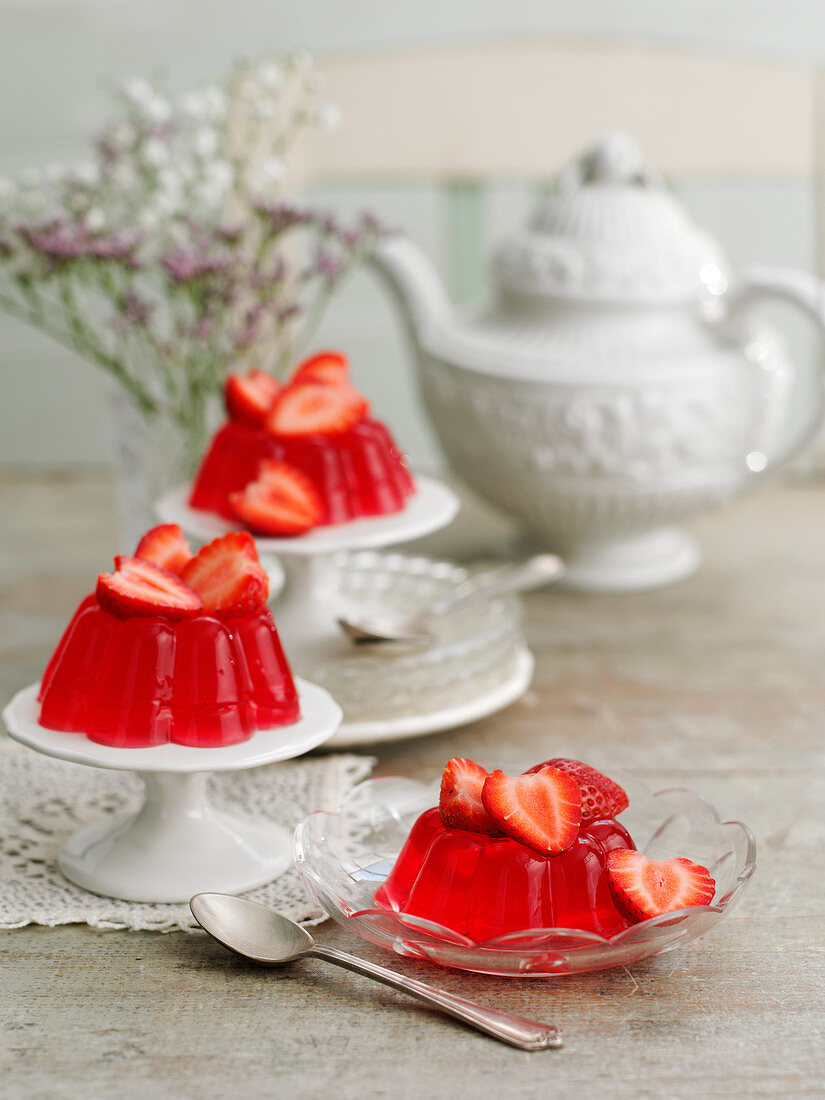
x,y
152,454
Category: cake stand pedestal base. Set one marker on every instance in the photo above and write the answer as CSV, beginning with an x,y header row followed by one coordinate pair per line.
x,y
306,612
175,845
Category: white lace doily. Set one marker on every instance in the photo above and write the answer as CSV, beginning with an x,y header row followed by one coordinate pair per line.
x,y
43,801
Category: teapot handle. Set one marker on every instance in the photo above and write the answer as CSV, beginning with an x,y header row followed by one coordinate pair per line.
x,y
759,284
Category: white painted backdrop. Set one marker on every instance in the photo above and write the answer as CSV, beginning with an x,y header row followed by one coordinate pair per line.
x,y
53,54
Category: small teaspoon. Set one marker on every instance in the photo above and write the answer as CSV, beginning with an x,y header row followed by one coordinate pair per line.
x,y
392,635
258,933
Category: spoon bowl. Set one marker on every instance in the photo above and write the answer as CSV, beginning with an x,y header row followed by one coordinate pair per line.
x,y
251,930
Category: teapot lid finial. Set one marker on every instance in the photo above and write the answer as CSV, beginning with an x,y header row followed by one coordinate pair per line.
x,y
609,231
616,158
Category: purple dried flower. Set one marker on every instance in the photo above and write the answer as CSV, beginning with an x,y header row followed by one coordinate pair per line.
x,y
185,267
134,313
351,238
329,267
62,243
204,327
287,313
281,216
371,224
121,247
136,310
230,234
262,278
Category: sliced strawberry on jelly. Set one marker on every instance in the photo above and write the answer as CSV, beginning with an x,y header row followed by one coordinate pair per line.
x,y
166,546
460,802
313,408
542,810
250,396
330,368
228,576
281,501
644,888
601,796
139,587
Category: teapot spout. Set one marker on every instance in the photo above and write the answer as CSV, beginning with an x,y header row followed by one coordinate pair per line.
x,y
415,284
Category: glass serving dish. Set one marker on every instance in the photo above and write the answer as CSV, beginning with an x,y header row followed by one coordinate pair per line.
x,y
344,857
474,650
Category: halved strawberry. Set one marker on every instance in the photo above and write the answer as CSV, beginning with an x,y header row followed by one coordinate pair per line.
x,y
330,368
139,587
311,408
643,888
227,574
542,810
460,803
250,396
166,546
601,797
281,501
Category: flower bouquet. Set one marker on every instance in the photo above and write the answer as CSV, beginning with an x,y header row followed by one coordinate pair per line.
x,y
172,257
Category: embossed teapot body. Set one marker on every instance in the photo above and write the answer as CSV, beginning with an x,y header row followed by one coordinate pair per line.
x,y
618,381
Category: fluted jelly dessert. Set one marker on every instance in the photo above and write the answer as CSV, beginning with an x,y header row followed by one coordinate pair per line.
x,y
172,647
503,854
484,886
334,462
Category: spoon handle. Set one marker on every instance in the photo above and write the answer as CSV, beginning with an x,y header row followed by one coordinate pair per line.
x,y
506,578
515,1030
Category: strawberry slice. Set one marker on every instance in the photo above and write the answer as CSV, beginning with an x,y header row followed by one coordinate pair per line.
x,y
330,368
282,501
250,396
166,546
460,803
542,810
227,574
601,797
311,408
139,587
643,888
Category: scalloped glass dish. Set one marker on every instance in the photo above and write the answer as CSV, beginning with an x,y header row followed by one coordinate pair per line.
x,y
344,857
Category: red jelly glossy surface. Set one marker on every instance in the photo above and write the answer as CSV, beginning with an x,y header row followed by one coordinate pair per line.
x,y
142,681
486,886
359,472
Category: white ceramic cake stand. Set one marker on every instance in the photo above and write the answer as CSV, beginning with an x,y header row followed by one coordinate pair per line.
x,y
175,845
306,610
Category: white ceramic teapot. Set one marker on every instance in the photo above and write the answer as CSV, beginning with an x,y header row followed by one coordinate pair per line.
x,y
618,381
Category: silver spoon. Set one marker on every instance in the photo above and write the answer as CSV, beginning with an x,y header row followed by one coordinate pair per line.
x,y
258,933
387,633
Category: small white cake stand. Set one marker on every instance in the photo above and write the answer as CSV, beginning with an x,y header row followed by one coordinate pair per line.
x,y
306,609
175,845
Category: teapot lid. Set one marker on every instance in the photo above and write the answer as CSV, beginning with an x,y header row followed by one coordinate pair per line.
x,y
610,231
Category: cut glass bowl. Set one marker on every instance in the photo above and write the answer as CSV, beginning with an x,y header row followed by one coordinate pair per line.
x,y
344,857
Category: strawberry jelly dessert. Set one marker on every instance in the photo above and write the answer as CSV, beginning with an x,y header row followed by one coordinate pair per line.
x,y
319,426
172,647
486,886
543,850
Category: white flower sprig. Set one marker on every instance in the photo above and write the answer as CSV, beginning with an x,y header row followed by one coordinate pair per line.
x,y
171,256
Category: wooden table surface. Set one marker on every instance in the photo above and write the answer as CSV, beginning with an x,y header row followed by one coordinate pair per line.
x,y
717,683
